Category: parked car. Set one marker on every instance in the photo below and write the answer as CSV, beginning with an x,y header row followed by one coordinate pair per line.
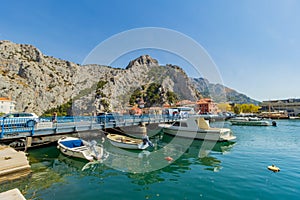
x,y
19,119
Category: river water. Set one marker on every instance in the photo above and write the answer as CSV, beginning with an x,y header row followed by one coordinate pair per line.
x,y
236,170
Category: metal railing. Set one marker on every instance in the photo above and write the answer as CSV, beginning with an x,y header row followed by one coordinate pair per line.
x,y
14,127
10,126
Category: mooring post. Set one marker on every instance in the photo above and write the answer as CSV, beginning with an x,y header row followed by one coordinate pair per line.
x,y
28,143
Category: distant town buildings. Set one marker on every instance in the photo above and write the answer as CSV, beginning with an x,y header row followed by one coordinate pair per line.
x,y
291,106
205,106
7,105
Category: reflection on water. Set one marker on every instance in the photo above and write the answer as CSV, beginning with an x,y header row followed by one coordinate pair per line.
x,y
190,176
200,152
184,151
51,168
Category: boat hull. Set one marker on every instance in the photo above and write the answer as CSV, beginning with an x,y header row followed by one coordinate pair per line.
x,y
219,135
126,142
250,123
83,151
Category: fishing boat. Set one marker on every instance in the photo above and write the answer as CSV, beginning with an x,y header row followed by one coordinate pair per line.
x,y
79,148
126,142
251,121
197,128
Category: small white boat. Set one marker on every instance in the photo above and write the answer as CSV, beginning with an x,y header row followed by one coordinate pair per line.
x,y
251,121
126,142
197,128
76,147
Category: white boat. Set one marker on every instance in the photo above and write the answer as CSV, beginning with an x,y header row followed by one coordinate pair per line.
x,y
197,128
294,117
251,121
76,147
126,142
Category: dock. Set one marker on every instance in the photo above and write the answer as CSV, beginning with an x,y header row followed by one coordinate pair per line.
x,y
13,194
13,164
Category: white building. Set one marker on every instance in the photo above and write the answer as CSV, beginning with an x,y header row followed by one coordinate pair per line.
x,y
7,105
291,106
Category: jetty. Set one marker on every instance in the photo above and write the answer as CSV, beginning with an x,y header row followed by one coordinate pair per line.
x,y
13,164
13,194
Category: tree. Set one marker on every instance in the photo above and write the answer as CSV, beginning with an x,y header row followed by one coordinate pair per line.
x,y
245,108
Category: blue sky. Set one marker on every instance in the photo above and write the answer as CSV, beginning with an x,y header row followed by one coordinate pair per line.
x,y
255,44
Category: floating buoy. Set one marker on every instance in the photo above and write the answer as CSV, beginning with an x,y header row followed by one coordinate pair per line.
x,y
168,158
273,168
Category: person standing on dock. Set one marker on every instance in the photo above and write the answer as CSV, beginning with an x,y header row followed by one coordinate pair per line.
x,y
54,117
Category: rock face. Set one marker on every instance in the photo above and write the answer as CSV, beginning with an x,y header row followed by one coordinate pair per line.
x,y
38,82
142,71
220,93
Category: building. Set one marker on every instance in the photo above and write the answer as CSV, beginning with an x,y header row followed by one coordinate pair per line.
x,y
7,105
206,106
291,106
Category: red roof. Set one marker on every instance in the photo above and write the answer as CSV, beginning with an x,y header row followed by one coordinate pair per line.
x,y
4,99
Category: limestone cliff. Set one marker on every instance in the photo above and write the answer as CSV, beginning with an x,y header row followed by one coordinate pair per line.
x,y
220,93
38,82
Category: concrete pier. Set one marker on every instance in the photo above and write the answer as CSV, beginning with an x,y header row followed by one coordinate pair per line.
x,y
13,164
13,194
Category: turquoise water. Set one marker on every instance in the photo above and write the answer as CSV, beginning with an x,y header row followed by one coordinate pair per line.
x,y
229,171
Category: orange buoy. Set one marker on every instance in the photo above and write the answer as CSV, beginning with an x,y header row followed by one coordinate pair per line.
x,y
168,158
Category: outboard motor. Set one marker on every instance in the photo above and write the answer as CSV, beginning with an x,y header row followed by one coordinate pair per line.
x,y
146,140
274,123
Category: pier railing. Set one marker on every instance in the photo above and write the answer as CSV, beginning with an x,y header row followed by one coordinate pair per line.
x,y
16,128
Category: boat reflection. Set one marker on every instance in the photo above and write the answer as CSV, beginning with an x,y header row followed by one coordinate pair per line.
x,y
141,167
183,151
199,152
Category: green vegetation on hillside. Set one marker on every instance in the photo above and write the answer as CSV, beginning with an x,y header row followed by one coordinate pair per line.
x,y
172,97
100,87
62,110
152,95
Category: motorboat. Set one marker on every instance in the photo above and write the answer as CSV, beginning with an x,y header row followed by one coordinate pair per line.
x,y
79,148
251,121
197,128
126,142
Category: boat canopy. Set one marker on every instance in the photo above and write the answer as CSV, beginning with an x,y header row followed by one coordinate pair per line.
x,y
72,143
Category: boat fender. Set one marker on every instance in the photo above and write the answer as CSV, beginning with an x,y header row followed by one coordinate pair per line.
x,y
273,168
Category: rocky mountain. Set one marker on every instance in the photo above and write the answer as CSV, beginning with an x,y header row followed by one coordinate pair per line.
x,y
220,93
38,82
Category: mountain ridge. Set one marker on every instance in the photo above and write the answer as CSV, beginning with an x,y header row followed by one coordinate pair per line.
x,y
220,93
39,82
